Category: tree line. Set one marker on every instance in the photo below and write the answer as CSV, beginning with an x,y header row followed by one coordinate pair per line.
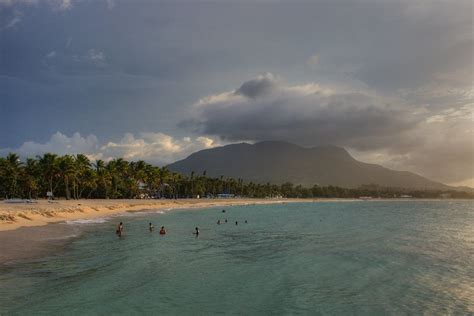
x,y
76,177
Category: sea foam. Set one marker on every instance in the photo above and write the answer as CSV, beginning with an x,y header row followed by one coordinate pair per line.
x,y
87,221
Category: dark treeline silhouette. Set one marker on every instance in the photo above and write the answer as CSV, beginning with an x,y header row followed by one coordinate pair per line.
x,y
76,177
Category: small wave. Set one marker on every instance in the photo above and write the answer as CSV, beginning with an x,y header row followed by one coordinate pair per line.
x,y
140,213
87,221
63,237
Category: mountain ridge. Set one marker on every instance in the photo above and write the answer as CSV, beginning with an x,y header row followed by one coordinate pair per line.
x,y
278,162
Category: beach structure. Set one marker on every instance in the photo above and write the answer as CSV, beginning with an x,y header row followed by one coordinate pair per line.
x,y
225,196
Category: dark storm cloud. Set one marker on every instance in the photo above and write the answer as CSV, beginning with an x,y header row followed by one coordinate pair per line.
x,y
311,115
306,114
83,66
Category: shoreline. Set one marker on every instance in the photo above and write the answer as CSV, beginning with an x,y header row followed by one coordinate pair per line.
x,y
32,230
40,213
17,215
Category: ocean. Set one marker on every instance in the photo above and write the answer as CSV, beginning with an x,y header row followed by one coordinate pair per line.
x,y
324,258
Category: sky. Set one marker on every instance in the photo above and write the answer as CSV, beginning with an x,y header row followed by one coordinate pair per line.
x,y
391,81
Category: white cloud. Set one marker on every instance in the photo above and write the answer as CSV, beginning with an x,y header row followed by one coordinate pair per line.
x,y
62,5
58,143
155,148
51,54
12,2
96,56
13,22
90,61
219,99
10,18
56,5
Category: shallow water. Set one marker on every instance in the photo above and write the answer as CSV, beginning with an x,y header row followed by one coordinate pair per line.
x,y
306,258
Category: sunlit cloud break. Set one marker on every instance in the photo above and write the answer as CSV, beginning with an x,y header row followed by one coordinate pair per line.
x,y
157,148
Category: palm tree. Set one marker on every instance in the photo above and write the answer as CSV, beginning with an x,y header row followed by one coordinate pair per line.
x,y
82,166
137,176
50,169
68,171
118,169
13,169
152,179
31,177
178,180
192,184
103,177
165,178
89,182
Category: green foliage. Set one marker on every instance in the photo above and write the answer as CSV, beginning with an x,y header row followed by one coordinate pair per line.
x,y
75,177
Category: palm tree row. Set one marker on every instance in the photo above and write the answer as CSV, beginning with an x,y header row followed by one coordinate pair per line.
x,y
76,177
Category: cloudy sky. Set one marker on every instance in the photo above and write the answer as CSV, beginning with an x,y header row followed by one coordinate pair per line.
x,y
391,81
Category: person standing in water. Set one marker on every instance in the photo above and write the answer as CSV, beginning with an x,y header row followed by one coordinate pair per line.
x,y
218,222
119,230
196,232
162,230
151,227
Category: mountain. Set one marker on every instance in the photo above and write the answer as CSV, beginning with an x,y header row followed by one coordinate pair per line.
x,y
278,162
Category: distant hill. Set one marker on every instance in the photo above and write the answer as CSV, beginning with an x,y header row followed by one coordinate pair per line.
x,y
278,162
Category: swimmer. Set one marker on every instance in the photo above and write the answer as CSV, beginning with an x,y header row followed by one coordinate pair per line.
x,y
226,220
223,211
218,222
236,223
245,221
151,227
119,230
162,230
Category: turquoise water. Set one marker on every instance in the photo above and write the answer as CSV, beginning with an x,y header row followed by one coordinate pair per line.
x,y
306,258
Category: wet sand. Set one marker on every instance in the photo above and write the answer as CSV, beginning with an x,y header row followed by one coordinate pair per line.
x,y
30,242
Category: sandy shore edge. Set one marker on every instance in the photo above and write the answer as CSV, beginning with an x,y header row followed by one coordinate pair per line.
x,y
16,215
42,212
30,230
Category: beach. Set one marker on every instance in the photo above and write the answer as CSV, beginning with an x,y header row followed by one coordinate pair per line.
x,y
42,212
28,230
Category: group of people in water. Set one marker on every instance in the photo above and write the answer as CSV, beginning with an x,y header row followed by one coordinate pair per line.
x,y
119,230
151,227
225,221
